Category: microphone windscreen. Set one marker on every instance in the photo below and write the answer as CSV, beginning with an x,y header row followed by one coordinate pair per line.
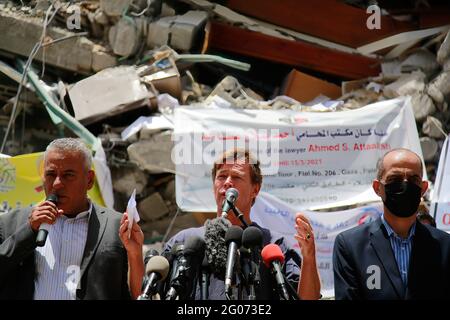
x,y
252,237
194,246
234,234
272,252
52,198
159,265
216,250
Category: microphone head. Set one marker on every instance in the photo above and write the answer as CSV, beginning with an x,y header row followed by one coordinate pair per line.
x,y
52,198
231,195
159,265
194,246
272,252
234,234
177,249
149,254
252,237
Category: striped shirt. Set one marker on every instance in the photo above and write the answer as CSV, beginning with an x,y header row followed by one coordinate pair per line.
x,y
58,261
402,248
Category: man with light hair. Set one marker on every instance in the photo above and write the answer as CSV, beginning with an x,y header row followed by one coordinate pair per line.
x,y
82,256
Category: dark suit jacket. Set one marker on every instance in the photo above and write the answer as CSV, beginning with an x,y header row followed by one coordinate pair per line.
x,y
368,245
103,270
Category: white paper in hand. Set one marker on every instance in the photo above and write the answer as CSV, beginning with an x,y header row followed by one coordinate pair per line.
x,y
132,212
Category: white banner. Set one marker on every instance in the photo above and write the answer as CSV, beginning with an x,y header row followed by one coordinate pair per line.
x,y
309,160
440,204
273,214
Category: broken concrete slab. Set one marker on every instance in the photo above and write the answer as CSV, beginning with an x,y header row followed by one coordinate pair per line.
x,y
432,127
20,33
124,37
420,59
439,87
168,191
102,60
429,148
407,84
422,106
126,179
114,8
116,90
154,154
179,32
153,207
444,50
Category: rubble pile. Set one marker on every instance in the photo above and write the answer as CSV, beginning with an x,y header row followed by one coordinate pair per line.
x,y
137,60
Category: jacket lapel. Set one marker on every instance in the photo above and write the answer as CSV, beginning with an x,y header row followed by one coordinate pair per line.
x,y
96,228
380,242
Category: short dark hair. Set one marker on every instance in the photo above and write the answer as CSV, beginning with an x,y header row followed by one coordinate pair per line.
x,y
380,162
235,154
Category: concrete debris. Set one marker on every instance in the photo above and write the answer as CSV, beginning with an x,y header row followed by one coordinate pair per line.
x,y
153,154
407,84
421,59
179,32
429,148
422,106
116,89
128,178
439,88
124,37
19,35
152,208
432,127
114,8
444,50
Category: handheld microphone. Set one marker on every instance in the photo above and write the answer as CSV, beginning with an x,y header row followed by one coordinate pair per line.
x,y
273,258
233,239
156,270
228,203
43,228
186,266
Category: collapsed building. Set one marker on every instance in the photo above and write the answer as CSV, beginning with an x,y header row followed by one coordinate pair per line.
x,y
137,60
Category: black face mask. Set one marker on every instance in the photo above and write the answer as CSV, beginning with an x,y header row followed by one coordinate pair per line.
x,y
402,198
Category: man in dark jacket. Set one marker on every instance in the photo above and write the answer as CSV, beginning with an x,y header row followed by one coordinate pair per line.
x,y
83,256
394,257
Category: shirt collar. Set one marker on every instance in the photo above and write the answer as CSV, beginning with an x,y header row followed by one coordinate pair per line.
x,y
391,231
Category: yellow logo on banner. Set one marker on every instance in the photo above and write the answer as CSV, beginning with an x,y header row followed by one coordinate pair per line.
x,y
21,182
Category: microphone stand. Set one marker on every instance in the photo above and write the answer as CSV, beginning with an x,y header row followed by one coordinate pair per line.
x,y
239,215
250,276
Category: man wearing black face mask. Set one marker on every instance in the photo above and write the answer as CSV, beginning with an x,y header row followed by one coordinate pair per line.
x,y
394,257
